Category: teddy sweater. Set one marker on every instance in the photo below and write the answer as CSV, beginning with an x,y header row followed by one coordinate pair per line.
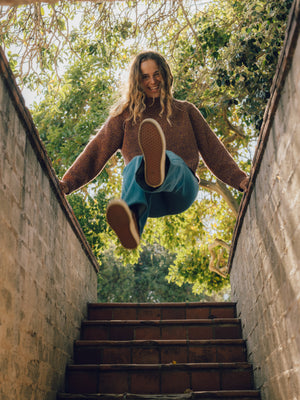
x,y
189,136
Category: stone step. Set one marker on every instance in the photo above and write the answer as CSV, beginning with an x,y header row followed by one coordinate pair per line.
x,y
149,311
159,351
188,329
158,378
203,395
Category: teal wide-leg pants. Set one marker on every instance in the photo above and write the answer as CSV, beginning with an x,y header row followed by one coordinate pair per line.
x,y
174,196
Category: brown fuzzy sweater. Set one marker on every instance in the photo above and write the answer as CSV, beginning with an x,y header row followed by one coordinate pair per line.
x,y
188,136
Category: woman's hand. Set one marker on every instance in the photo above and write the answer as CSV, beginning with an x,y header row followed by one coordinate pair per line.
x,y
244,185
64,187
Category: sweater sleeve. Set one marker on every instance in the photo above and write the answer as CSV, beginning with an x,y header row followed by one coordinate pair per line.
x,y
214,153
96,154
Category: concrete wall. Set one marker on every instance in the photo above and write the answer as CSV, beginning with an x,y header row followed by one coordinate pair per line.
x,y
47,271
265,260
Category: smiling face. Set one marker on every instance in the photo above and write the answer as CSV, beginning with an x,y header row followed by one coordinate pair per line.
x,y
151,79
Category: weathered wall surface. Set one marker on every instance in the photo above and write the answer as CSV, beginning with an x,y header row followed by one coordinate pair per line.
x,y
47,273
265,266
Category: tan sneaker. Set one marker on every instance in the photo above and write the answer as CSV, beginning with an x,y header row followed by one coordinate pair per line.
x,y
153,145
122,220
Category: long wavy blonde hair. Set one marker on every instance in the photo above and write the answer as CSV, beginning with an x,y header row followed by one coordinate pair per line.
x,y
134,97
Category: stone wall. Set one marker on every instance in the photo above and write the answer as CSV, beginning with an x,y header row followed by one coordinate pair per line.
x,y
47,271
265,256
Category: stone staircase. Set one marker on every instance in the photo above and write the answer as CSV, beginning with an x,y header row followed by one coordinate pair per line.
x,y
160,351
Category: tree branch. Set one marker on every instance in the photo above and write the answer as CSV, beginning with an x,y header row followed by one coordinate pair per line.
x,y
220,188
193,30
216,268
236,129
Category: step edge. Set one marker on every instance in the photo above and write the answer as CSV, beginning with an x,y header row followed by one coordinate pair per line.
x,y
190,366
188,396
160,342
159,305
161,322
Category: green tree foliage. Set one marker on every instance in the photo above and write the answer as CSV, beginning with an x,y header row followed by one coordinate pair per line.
x,y
144,281
75,106
231,57
35,36
223,58
90,212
